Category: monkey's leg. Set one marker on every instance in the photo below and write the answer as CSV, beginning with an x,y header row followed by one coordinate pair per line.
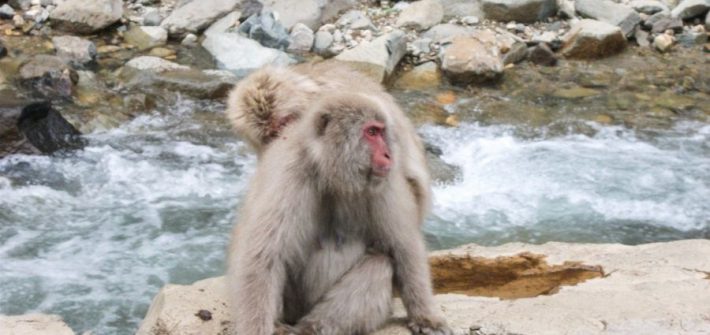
x,y
359,303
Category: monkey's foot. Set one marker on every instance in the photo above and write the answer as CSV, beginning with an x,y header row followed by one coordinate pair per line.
x,y
429,325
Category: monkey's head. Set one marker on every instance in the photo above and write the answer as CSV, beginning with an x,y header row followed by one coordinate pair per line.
x,y
354,146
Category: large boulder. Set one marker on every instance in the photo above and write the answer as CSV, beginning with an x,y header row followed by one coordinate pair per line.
x,y
593,39
472,59
240,54
81,16
34,324
519,10
46,129
421,15
610,12
379,57
195,15
688,9
658,288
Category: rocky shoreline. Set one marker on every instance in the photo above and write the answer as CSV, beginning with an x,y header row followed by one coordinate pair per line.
x,y
554,288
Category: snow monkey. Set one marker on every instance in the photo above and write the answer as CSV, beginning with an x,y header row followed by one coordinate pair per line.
x,y
330,226
269,100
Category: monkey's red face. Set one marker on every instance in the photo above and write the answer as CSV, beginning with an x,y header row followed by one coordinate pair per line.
x,y
374,133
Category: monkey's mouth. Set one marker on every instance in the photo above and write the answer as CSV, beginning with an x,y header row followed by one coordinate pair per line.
x,y
380,171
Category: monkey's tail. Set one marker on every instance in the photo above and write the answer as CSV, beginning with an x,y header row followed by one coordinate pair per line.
x,y
266,101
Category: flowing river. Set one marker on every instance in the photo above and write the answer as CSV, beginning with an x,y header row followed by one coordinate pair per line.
x,y
93,235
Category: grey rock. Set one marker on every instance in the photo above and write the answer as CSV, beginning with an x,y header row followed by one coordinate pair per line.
x,y
379,57
518,10
312,13
21,4
610,12
208,84
420,46
301,39
649,7
48,77
470,20
441,33
566,9
81,16
472,59
228,24
189,40
691,38
661,22
441,171
196,15
241,55
642,37
6,12
421,15
152,18
688,9
36,14
517,53
461,8
265,29
323,41
145,37
75,50
355,19
541,54
593,39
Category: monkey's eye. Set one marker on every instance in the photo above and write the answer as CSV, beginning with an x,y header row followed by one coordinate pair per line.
x,y
373,131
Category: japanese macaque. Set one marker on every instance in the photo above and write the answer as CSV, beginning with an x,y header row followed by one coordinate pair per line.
x,y
261,106
330,225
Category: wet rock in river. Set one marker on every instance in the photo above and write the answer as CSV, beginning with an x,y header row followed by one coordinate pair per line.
x,y
152,64
48,77
195,15
610,12
47,130
519,10
75,50
208,84
379,57
421,15
688,9
541,54
593,39
301,39
472,59
80,16
145,37
265,29
441,171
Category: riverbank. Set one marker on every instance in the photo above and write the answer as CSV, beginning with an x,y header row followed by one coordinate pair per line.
x,y
554,288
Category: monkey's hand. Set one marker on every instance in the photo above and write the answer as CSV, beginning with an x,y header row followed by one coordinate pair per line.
x,y
429,325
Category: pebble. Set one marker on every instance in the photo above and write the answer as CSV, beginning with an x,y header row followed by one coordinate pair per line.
x,y
189,40
663,42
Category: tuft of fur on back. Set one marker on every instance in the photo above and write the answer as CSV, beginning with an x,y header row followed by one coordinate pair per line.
x,y
265,101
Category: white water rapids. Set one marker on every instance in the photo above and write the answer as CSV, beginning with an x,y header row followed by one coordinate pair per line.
x,y
93,235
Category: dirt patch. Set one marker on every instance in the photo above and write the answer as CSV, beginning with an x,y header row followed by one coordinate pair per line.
x,y
507,277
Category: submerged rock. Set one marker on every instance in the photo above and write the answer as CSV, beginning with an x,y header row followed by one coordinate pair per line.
x,y
48,77
34,324
145,37
593,39
519,10
81,16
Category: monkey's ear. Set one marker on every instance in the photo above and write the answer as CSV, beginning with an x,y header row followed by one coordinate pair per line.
x,y
322,123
